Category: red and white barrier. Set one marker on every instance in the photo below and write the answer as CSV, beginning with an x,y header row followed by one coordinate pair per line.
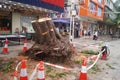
x,y
15,75
5,48
83,74
23,72
41,72
40,68
25,45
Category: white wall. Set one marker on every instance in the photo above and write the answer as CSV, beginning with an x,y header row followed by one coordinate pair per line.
x,y
15,21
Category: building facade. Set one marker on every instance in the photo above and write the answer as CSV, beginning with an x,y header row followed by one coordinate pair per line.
x,y
91,12
110,16
17,13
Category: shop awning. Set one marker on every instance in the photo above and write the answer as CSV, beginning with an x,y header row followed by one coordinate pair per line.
x,y
61,21
55,5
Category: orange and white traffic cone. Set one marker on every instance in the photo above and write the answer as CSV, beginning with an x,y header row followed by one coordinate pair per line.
x,y
83,74
5,48
41,72
25,45
15,75
104,56
23,72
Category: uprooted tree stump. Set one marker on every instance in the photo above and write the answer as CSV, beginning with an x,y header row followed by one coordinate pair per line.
x,y
49,44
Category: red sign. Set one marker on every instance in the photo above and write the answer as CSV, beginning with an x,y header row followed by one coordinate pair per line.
x,y
59,3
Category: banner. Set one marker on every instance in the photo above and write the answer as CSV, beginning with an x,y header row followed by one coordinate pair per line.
x,y
59,3
56,5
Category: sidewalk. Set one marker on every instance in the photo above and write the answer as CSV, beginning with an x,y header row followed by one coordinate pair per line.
x,y
89,43
81,43
14,50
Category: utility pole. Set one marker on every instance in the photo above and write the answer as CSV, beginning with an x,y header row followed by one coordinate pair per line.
x,y
72,20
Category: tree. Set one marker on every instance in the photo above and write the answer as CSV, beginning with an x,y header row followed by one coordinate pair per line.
x,y
49,44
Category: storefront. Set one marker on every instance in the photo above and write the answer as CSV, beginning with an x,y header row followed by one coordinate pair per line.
x,y
26,22
17,13
5,21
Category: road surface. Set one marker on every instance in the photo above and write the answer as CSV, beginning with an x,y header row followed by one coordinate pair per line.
x,y
110,69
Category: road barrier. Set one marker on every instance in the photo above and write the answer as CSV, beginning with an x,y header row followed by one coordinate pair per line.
x,y
25,46
23,72
95,60
41,74
83,74
5,48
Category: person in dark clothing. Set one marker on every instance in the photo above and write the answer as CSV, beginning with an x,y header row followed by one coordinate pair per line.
x,y
89,33
24,31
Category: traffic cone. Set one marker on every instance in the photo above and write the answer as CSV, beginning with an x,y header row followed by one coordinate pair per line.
x,y
15,75
23,72
25,45
104,56
83,74
94,57
41,73
5,49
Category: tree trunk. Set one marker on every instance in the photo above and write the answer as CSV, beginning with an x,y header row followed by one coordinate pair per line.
x,y
49,43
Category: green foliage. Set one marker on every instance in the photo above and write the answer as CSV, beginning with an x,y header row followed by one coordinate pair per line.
x,y
100,44
94,69
90,52
6,67
61,74
78,61
108,20
110,66
49,69
51,72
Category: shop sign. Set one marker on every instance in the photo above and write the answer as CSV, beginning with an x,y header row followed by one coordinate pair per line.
x,y
56,5
59,3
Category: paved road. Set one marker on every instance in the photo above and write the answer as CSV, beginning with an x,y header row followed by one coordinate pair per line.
x,y
110,69
14,50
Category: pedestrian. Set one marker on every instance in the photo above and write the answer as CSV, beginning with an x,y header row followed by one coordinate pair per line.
x,y
95,35
111,32
85,33
17,31
89,33
24,31
57,29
